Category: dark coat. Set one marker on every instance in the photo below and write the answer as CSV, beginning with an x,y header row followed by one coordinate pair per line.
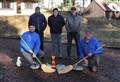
x,y
56,24
39,21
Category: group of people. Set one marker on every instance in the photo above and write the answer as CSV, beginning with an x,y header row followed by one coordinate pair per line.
x,y
32,41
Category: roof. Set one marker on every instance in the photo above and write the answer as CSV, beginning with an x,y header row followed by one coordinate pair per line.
x,y
103,5
114,7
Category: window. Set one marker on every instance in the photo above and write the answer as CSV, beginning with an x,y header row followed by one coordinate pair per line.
x,y
6,5
29,5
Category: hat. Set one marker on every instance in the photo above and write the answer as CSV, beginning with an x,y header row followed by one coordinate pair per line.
x,y
55,9
73,8
88,31
37,7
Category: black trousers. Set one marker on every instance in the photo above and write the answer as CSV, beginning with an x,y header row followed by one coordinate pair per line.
x,y
41,35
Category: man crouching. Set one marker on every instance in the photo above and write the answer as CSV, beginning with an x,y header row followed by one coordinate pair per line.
x,y
90,46
30,43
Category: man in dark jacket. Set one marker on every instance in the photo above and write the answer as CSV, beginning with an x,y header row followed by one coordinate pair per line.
x,y
56,22
73,27
40,23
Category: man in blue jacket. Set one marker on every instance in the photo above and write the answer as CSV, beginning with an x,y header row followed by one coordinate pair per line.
x,y
32,39
40,24
90,46
56,23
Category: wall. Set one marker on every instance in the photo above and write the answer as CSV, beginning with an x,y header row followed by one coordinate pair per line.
x,y
13,10
8,12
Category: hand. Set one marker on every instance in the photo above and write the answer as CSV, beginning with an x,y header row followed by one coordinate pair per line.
x,y
31,52
86,61
75,33
74,65
34,56
90,54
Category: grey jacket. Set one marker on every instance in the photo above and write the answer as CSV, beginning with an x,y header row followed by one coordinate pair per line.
x,y
73,23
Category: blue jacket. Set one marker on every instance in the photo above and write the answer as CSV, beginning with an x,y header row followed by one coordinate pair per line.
x,y
56,24
33,41
39,21
93,45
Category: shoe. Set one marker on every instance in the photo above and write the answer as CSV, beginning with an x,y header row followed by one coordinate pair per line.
x,y
94,69
84,65
18,63
35,66
78,68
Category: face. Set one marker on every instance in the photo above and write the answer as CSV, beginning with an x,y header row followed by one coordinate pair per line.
x,y
55,12
31,28
88,36
73,12
37,11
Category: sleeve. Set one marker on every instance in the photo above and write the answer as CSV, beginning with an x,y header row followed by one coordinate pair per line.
x,y
23,45
80,25
30,20
99,51
45,23
63,22
49,22
66,25
37,45
81,50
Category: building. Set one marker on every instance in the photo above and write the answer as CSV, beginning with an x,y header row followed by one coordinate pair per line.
x,y
17,7
99,9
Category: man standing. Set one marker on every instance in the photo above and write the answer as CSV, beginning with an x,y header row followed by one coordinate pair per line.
x,y
30,43
90,46
40,23
73,27
56,23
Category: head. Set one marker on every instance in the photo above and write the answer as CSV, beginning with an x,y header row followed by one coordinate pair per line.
x,y
31,27
37,10
73,11
88,34
55,11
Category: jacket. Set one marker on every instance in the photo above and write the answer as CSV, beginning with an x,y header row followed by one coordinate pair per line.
x,y
73,23
56,24
39,21
93,45
32,40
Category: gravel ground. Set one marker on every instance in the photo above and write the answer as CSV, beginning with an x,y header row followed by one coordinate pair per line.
x,y
109,70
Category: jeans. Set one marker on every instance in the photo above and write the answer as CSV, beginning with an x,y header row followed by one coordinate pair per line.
x,y
56,40
69,43
29,58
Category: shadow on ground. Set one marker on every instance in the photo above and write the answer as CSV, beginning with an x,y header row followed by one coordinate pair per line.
x,y
109,69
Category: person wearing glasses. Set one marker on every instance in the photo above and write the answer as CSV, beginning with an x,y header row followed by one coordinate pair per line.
x,y
73,26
